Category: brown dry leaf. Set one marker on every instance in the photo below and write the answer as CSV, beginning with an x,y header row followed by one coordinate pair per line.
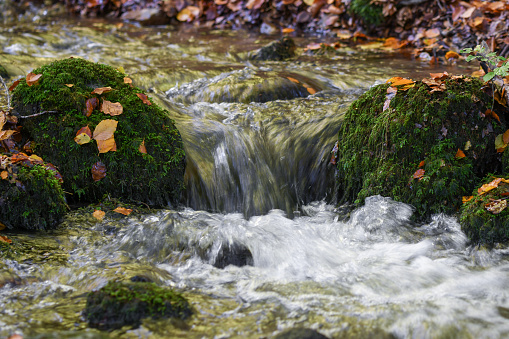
x,y
90,104
102,90
188,14
111,108
144,98
69,85
254,4
5,239
439,76
489,186
418,174
451,55
83,136
4,175
6,134
459,154
99,215
122,210
14,84
468,13
490,113
103,134
467,199
142,147
421,164
127,80
496,206
32,79
432,33
98,171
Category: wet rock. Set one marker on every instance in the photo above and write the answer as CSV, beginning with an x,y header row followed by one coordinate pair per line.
x,y
276,51
154,177
235,254
245,86
147,16
409,150
121,304
300,333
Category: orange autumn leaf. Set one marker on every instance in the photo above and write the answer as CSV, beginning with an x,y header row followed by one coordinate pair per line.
x,y
311,90
32,79
451,55
127,80
505,137
107,145
5,239
419,174
142,148
293,80
467,199
90,104
421,164
99,215
4,175
144,98
102,90
491,185
401,83
288,30
490,113
98,171
83,136
459,154
111,108
122,210
103,134
14,85
439,76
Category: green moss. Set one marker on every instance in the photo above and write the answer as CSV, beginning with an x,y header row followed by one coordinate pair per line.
x,y
120,303
35,202
480,225
370,14
379,151
155,178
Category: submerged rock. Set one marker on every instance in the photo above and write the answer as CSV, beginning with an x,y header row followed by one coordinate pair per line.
x,y
279,50
121,304
409,150
154,177
245,86
235,254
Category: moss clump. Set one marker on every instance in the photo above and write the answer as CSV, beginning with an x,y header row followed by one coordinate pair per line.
x,y
121,303
279,50
155,178
34,201
481,225
379,151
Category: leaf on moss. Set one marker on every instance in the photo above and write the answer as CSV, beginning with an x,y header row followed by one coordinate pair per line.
x,y
5,239
14,85
400,83
439,76
102,90
459,154
467,199
490,113
468,144
496,206
419,174
144,98
142,147
491,185
421,164
505,137
122,210
128,80
90,104
98,171
69,85
111,108
99,215
500,145
103,134
32,79
83,136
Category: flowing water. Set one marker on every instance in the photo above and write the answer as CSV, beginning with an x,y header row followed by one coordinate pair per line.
x,y
259,247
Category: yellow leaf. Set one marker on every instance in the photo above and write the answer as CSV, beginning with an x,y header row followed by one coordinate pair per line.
x,y
467,199
499,143
6,134
83,136
121,69
105,129
69,85
468,144
106,145
489,186
309,2
111,108
35,158
122,210
99,215
102,90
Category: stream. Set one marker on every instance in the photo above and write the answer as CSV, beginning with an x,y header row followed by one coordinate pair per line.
x,y
258,246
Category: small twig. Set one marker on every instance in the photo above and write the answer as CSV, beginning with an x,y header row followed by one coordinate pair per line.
x,y
6,93
36,114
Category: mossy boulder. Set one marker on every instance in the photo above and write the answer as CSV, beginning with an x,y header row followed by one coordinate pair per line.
x,y
281,49
484,217
121,304
155,178
380,151
31,198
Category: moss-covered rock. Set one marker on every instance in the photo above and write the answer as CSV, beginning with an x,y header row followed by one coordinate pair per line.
x,y
381,150
31,198
155,178
126,303
281,49
480,224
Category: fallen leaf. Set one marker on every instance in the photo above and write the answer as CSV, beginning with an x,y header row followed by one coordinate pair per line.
x,y
5,239
500,145
432,33
98,171
142,147
459,154
311,90
90,104
288,30
83,136
35,158
468,144
69,85
496,206
505,137
6,134
102,90
32,79
14,84
111,108
489,186
439,76
144,98
121,69
4,175
467,199
401,83
99,215
122,210
293,80
103,134
451,55
105,146
490,113
418,174
127,80
2,226
421,164
188,14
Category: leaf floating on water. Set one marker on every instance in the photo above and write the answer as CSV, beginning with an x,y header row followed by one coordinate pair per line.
x,y
98,171
418,174
111,108
466,199
32,79
459,154
99,215
144,98
142,148
122,210
102,90
496,206
83,136
91,104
